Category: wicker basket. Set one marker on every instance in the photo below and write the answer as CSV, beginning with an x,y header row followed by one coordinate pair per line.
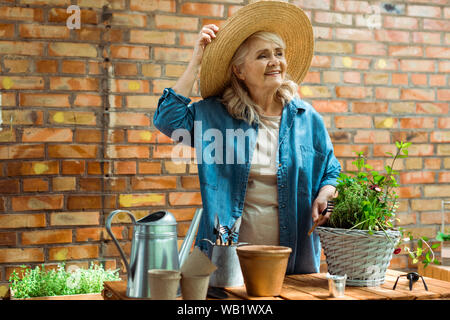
x,y
363,257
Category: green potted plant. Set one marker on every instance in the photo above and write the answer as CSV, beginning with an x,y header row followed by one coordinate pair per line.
x,y
60,284
360,238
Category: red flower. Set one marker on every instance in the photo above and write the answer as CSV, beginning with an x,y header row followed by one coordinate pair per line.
x,y
375,188
397,251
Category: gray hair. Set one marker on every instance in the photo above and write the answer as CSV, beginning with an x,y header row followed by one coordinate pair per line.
x,y
236,97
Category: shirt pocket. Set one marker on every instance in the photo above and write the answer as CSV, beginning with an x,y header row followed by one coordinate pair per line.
x,y
311,170
208,176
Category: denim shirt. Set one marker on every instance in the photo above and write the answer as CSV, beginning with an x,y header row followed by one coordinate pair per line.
x,y
305,162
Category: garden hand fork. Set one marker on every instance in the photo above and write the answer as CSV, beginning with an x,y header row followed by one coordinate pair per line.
x,y
329,208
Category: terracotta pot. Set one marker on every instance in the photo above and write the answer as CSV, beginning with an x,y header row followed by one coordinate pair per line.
x,y
263,268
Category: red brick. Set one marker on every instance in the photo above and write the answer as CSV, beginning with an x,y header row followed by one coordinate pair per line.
x,y
419,79
354,34
352,92
47,135
437,80
321,61
432,108
144,5
128,119
32,168
78,67
89,184
438,25
437,52
46,236
444,177
127,152
443,95
149,167
423,11
73,252
142,200
408,23
417,177
391,35
421,150
19,83
88,100
150,183
417,65
335,106
61,15
44,100
352,6
16,255
77,202
125,167
370,107
399,79
125,69
27,151
432,163
418,94
190,182
134,86
444,66
21,14
73,167
72,151
130,52
128,20
74,84
185,198
43,31
409,192
6,30
8,239
12,221
25,203
440,137
417,123
352,77
371,136
177,22
345,150
387,93
88,136
353,122
372,48
426,37
405,51
83,218
47,66
35,185
9,186
203,9
115,184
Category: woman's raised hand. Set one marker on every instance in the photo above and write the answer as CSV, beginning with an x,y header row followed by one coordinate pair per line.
x,y
206,35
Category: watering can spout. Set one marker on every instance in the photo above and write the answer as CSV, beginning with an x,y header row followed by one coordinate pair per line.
x,y
190,236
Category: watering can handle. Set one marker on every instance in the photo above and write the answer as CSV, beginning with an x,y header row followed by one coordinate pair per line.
x,y
108,229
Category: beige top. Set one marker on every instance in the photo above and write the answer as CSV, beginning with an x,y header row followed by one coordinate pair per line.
x,y
260,214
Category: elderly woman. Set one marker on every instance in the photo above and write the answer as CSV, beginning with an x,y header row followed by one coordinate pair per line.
x,y
274,165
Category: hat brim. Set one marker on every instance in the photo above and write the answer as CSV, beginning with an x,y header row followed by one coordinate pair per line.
x,y
282,18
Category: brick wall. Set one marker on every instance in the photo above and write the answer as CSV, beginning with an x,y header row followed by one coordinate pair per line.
x,y
77,139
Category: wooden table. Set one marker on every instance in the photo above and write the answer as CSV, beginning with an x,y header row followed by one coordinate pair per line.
x,y
314,286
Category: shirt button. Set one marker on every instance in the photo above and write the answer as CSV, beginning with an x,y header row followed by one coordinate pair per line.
x,y
279,165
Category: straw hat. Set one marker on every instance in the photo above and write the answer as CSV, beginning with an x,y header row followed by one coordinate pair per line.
x,y
282,18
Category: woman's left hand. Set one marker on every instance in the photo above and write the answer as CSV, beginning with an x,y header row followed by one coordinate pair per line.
x,y
326,193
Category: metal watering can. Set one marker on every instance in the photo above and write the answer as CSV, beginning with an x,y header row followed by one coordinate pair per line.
x,y
154,246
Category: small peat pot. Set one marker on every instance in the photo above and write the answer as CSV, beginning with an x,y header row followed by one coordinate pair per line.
x,y
263,268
